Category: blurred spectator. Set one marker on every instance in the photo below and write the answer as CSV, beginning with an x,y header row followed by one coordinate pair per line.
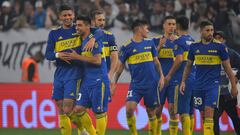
x,y
51,17
210,14
156,16
109,16
134,13
7,16
123,15
25,20
169,8
39,15
30,67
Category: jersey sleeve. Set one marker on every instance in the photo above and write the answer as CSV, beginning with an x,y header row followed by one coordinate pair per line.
x,y
50,50
112,43
156,41
191,53
97,33
154,50
223,52
97,49
178,49
123,54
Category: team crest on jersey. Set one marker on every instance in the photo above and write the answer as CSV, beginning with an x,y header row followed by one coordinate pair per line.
x,y
96,45
212,51
60,38
134,50
147,47
175,47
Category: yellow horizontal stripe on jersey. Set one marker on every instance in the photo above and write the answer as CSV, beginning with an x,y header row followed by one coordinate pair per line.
x,y
140,58
89,54
67,44
166,53
185,55
106,51
207,60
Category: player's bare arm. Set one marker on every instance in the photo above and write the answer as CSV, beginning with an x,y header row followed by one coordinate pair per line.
x,y
228,69
186,73
114,60
159,69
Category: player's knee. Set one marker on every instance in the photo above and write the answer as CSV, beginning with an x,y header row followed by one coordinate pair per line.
x,y
208,112
151,112
130,112
79,109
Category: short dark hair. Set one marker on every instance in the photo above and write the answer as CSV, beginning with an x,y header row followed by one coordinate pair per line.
x,y
204,24
183,22
138,23
219,33
64,7
83,18
168,17
95,12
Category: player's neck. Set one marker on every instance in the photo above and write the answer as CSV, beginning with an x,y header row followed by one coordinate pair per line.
x,y
137,38
181,33
85,35
66,26
204,41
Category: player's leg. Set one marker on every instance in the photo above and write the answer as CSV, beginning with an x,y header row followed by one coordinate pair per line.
x,y
173,125
133,98
230,108
191,114
211,102
71,88
161,100
83,101
100,104
217,114
58,95
151,101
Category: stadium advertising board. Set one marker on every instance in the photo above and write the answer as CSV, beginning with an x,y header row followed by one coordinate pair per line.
x,y
30,106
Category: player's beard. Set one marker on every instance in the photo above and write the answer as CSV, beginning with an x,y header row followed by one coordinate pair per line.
x,y
209,38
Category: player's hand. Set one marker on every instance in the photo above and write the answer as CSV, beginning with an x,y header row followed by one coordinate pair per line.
x,y
161,83
182,88
112,88
173,37
63,56
167,79
89,45
162,41
72,55
234,91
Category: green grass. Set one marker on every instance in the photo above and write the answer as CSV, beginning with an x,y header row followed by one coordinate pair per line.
x,y
14,131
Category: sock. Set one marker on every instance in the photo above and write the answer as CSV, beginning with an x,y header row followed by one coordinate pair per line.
x,y
208,126
101,123
131,121
159,126
173,127
153,125
74,118
65,125
86,120
192,123
186,124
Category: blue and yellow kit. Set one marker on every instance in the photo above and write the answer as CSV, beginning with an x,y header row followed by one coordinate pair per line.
x,y
67,76
110,45
94,91
166,56
184,102
144,76
208,59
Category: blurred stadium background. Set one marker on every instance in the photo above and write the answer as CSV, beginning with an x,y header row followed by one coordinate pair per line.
x,y
28,109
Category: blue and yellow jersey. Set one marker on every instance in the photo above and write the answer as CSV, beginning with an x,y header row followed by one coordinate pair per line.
x,y
62,40
94,72
110,45
167,54
183,43
139,56
208,59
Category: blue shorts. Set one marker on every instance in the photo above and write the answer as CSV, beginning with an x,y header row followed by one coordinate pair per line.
x,y
148,94
65,89
184,102
94,96
206,98
168,92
